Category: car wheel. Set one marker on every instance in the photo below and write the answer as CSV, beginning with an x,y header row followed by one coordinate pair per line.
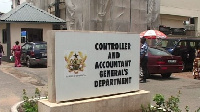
x,y
28,63
166,75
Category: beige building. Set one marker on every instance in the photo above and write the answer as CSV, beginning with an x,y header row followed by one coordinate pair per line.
x,y
181,14
170,13
25,23
101,15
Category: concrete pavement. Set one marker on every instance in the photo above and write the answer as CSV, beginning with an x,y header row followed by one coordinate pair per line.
x,y
189,88
14,79
31,78
11,89
36,76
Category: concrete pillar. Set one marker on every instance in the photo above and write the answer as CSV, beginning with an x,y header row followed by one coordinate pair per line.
x,y
8,41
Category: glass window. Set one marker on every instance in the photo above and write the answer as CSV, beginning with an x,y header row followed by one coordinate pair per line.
x,y
40,46
23,36
158,52
192,44
24,47
27,47
30,47
182,44
169,43
23,39
164,43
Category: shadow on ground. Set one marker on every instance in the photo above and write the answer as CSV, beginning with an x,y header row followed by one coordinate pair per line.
x,y
159,77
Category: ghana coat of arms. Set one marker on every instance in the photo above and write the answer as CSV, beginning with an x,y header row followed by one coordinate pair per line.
x,y
75,61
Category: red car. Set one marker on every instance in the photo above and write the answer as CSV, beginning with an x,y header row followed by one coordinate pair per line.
x,y
162,62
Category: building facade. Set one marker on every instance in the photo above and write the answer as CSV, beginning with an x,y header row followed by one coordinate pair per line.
x,y
25,23
181,14
178,15
42,4
103,15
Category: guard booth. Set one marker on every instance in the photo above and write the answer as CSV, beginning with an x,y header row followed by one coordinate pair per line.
x,y
25,23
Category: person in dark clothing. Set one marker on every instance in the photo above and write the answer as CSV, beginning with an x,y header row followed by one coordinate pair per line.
x,y
143,58
1,52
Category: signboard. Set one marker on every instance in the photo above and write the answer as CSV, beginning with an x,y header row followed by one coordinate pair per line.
x,y
91,64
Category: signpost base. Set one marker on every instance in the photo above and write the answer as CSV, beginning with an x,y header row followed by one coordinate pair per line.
x,y
126,102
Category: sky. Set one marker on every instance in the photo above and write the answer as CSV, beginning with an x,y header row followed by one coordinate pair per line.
x,y
5,6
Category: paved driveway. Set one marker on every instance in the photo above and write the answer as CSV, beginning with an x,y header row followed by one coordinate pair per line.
x,y
189,87
31,75
183,82
11,89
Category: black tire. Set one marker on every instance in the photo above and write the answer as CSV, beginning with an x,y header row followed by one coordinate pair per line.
x,y
28,63
166,75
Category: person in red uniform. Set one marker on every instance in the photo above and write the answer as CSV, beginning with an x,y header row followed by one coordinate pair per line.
x,y
16,49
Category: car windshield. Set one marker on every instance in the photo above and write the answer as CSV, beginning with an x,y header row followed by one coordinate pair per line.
x,y
169,43
40,46
159,52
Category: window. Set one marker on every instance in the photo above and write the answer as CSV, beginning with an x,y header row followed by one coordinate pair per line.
x,y
30,47
4,36
192,44
158,52
182,44
192,21
40,47
31,35
27,47
169,43
23,36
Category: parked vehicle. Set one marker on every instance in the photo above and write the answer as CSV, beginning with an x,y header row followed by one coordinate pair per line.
x,y
184,47
34,53
162,62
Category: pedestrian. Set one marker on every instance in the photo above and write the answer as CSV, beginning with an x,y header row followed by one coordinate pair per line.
x,y
196,65
1,52
143,59
16,49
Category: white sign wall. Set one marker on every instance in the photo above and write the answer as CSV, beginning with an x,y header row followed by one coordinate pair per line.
x,y
90,64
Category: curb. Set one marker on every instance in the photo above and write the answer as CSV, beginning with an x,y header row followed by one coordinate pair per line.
x,y
15,106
